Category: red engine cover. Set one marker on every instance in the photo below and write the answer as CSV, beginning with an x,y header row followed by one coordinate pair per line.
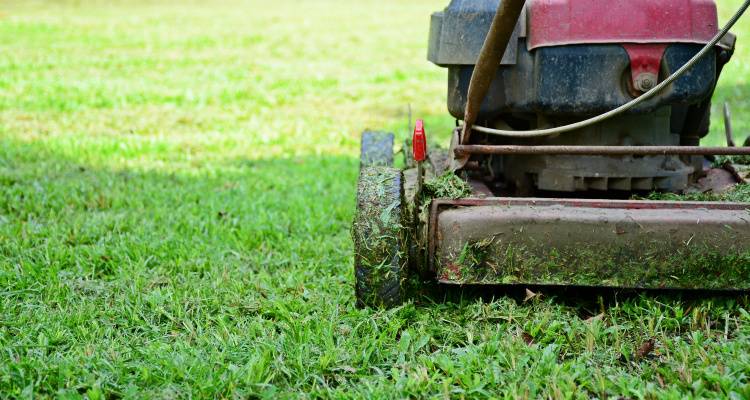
x,y
561,22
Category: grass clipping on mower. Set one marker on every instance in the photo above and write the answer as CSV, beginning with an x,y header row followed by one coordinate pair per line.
x,y
446,186
739,193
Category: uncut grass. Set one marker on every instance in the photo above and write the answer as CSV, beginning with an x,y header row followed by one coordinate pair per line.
x,y
176,190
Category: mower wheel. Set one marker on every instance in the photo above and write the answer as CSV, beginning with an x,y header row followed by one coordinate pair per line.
x,y
377,149
379,236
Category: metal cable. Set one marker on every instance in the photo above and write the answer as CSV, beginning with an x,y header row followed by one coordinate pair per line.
x,y
627,106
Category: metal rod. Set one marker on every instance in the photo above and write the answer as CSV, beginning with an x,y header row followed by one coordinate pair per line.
x,y
602,150
493,48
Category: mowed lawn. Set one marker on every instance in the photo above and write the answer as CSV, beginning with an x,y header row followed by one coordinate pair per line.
x,y
177,182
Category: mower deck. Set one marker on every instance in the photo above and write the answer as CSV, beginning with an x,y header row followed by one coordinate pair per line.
x,y
633,244
476,238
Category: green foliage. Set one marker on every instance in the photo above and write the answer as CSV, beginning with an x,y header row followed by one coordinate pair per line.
x,y
739,160
446,186
740,194
177,184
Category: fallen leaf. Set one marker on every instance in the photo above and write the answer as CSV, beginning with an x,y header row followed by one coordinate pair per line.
x,y
646,348
527,338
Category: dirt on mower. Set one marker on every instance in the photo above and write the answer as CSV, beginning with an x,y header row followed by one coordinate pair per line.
x,y
493,261
379,235
649,265
727,181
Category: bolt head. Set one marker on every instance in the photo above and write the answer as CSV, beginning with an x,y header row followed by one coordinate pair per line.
x,y
645,81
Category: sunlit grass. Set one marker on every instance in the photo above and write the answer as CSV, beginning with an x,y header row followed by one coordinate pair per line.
x,y
176,191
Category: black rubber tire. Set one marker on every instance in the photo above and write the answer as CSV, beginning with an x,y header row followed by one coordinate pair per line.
x,y
378,231
377,149
379,237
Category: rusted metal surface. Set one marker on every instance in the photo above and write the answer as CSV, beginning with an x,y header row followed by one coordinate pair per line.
x,y
591,203
500,33
717,180
739,177
649,237
479,188
462,150
457,161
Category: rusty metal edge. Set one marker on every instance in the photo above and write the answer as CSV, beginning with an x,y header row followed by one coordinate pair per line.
x,y
438,205
462,150
565,286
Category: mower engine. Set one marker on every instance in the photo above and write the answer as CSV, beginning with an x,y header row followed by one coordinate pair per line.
x,y
568,60
583,108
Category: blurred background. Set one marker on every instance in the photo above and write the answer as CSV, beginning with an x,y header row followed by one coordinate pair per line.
x,y
169,82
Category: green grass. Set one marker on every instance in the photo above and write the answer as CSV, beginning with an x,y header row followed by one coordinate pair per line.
x,y
176,191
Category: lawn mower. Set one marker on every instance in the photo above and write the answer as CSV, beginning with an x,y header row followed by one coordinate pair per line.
x,y
570,115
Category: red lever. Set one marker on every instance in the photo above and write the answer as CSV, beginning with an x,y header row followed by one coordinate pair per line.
x,y
419,142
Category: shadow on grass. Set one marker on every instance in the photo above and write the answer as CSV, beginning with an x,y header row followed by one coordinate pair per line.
x,y
587,300
265,216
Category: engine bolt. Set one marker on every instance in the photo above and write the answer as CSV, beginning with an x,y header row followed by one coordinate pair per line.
x,y
645,81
